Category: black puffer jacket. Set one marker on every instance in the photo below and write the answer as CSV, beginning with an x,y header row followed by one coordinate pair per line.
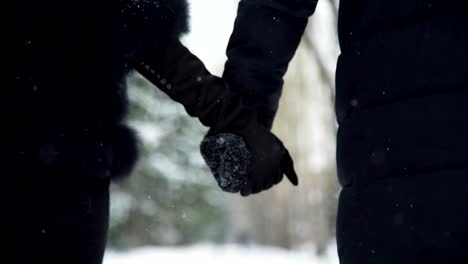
x,y
402,79
64,94
402,88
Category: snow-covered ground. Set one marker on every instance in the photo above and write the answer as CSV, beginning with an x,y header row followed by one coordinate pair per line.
x,y
211,254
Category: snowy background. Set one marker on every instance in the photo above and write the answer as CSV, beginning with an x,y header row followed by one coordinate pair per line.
x,y
228,254
172,210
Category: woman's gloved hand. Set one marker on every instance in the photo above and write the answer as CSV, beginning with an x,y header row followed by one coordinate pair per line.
x,y
243,155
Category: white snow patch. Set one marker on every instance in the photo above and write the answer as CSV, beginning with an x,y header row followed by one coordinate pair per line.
x,y
227,254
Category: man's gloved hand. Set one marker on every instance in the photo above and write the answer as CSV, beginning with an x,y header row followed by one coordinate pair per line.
x,y
247,161
243,155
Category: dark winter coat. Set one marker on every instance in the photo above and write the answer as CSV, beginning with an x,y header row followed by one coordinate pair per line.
x,y
64,98
402,79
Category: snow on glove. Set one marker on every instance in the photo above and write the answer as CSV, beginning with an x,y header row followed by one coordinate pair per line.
x,y
243,155
229,159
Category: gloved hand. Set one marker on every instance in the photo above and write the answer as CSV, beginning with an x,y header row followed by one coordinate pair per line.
x,y
243,155
248,161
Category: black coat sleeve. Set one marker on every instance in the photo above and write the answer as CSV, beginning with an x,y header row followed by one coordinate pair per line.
x,y
265,37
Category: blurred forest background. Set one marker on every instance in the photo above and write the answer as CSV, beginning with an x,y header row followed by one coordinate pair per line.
x,y
172,199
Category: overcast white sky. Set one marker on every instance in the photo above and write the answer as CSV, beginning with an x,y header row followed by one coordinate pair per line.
x,y
211,25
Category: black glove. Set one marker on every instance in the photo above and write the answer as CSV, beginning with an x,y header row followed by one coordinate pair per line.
x,y
247,161
243,155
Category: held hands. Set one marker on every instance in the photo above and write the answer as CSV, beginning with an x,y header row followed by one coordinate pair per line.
x,y
248,161
243,155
